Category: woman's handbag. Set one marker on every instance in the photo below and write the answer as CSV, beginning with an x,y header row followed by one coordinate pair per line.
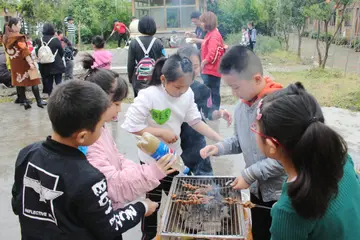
x,y
34,74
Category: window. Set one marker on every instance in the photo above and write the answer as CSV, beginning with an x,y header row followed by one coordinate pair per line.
x,y
348,17
167,13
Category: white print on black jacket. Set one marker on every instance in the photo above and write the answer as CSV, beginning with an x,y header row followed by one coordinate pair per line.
x,y
38,196
100,190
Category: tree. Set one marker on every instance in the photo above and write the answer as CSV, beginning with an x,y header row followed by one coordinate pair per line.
x,y
298,19
283,20
323,12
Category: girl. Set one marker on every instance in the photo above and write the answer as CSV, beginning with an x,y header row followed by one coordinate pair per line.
x,y
191,141
103,58
320,199
21,62
160,110
126,180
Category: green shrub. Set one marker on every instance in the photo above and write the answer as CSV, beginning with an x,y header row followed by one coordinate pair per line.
x,y
341,41
233,38
265,44
355,43
314,35
305,34
325,37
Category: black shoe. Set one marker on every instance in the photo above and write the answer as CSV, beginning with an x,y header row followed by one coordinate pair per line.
x,y
41,104
27,105
18,101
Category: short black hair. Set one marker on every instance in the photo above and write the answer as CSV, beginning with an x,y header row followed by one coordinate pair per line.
x,y
147,26
241,60
48,29
195,15
59,32
76,105
98,41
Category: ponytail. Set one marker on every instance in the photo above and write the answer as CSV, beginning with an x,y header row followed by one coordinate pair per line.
x,y
157,72
319,158
110,81
294,118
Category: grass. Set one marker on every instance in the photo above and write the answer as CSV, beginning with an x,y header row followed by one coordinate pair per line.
x,y
6,99
280,58
330,87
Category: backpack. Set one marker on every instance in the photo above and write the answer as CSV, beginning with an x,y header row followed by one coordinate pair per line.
x,y
45,54
146,65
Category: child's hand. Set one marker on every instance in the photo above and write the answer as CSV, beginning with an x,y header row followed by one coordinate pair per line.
x,y
209,151
152,206
226,116
168,136
165,164
240,183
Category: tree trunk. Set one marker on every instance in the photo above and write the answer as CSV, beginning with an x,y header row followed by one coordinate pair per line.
x,y
301,31
317,44
327,45
79,34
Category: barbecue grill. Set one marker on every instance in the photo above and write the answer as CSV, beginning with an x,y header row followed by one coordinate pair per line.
x,y
213,219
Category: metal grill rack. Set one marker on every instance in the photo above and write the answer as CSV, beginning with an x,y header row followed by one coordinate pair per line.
x,y
212,220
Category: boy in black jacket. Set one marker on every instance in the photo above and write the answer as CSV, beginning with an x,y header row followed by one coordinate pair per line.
x,y
57,194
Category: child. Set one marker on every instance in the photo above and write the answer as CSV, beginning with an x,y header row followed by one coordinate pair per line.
x,y
127,180
191,141
69,55
57,194
160,110
320,199
242,70
245,40
103,58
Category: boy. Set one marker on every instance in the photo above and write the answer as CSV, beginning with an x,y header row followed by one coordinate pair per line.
x,y
241,69
71,29
120,28
69,54
198,36
252,34
57,194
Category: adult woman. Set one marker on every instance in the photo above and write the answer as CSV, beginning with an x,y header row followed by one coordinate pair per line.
x,y
212,49
147,27
51,72
320,199
21,62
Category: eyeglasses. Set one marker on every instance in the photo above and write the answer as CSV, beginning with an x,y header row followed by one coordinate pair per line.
x,y
255,130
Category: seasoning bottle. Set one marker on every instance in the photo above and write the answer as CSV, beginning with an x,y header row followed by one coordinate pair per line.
x,y
151,145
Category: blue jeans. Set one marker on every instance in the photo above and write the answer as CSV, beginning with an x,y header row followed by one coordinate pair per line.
x,y
213,83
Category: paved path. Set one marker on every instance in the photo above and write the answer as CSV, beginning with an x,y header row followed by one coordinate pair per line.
x,y
340,57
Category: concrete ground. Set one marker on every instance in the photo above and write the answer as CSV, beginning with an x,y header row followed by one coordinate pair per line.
x,y
20,128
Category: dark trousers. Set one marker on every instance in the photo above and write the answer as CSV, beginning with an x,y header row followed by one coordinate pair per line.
x,y
122,36
138,85
6,79
69,70
261,219
149,224
48,82
213,83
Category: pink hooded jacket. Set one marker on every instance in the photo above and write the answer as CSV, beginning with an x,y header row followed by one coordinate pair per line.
x,y
103,59
126,180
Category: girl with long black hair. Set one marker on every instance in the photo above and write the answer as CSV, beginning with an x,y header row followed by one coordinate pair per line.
x,y
321,197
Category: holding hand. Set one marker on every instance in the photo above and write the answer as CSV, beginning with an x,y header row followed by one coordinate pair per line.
x,y
165,164
209,151
168,136
240,183
203,63
224,114
152,206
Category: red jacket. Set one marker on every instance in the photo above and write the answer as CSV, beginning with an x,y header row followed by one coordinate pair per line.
x,y
212,49
120,27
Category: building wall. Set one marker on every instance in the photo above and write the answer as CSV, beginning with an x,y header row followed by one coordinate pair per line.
x,y
168,14
350,27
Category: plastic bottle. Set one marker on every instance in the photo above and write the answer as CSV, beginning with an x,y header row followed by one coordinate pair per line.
x,y
151,145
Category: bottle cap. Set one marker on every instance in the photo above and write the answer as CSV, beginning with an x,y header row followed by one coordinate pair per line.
x,y
186,170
